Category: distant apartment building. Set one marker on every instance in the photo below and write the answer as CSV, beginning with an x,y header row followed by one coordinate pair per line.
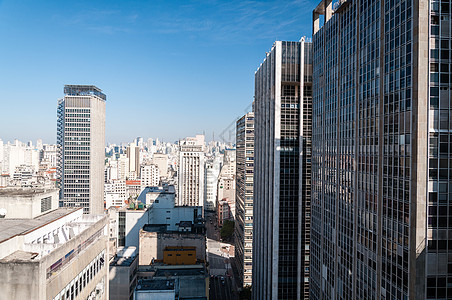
x,y
381,150
211,173
123,167
115,193
81,143
191,172
133,188
282,110
225,205
52,254
133,158
150,175
243,233
161,161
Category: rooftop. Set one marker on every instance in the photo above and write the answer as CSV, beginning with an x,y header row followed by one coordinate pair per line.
x,y
36,238
156,284
26,192
12,227
83,90
122,261
189,270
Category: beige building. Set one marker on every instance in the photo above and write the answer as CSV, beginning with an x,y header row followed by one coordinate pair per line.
x,y
161,160
58,255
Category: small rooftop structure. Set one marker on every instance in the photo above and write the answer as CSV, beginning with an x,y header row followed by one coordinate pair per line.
x,y
83,90
156,284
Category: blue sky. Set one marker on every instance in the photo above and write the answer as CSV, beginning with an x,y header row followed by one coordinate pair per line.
x,y
170,69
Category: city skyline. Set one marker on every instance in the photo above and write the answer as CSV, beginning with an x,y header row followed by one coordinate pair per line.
x,y
138,52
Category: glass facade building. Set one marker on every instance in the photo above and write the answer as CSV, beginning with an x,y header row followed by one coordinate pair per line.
x,y
282,187
81,147
381,153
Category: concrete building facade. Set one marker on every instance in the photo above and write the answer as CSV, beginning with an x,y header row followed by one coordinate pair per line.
x,y
81,143
58,255
123,273
282,110
243,233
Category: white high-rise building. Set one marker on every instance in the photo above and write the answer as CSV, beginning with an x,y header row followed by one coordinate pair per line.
x,y
81,142
133,154
149,176
123,167
212,170
191,172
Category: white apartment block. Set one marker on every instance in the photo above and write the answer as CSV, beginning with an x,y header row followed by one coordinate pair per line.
x,y
149,176
115,193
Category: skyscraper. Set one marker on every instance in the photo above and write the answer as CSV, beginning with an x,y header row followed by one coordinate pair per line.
x,y
244,197
191,172
81,143
381,218
282,108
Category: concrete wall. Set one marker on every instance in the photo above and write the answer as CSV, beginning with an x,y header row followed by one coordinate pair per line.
x,y
27,205
24,278
59,281
97,156
120,280
21,281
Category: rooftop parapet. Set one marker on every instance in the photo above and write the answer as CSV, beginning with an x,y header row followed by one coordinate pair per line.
x,y
83,90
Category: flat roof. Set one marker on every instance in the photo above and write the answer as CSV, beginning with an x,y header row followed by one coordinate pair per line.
x,y
12,227
156,284
187,271
123,261
24,191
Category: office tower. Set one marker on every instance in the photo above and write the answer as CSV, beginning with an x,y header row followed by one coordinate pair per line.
x,y
244,197
81,143
381,151
283,99
191,172
133,155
